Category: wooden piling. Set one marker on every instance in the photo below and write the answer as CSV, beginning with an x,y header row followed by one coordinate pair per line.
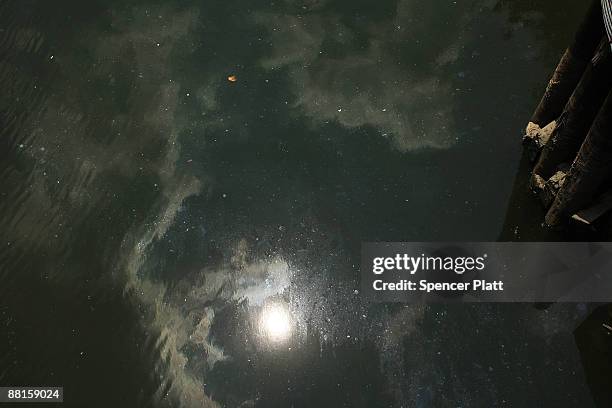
x,y
591,168
571,67
578,114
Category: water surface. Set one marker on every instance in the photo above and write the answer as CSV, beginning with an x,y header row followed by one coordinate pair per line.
x,y
173,238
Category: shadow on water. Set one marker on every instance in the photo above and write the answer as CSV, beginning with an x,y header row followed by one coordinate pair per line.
x,y
524,219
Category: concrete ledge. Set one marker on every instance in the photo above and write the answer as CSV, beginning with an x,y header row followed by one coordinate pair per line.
x,y
593,212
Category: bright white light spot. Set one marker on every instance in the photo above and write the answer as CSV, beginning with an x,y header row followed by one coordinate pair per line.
x,y
276,322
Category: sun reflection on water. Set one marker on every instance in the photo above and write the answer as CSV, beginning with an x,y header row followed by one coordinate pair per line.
x,y
275,322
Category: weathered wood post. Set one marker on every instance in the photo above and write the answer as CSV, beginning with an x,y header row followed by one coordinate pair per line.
x,y
589,171
571,67
578,114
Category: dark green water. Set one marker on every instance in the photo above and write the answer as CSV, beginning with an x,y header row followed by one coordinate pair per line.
x,y
153,213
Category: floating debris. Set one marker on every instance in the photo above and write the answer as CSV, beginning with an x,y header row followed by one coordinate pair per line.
x,y
232,78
